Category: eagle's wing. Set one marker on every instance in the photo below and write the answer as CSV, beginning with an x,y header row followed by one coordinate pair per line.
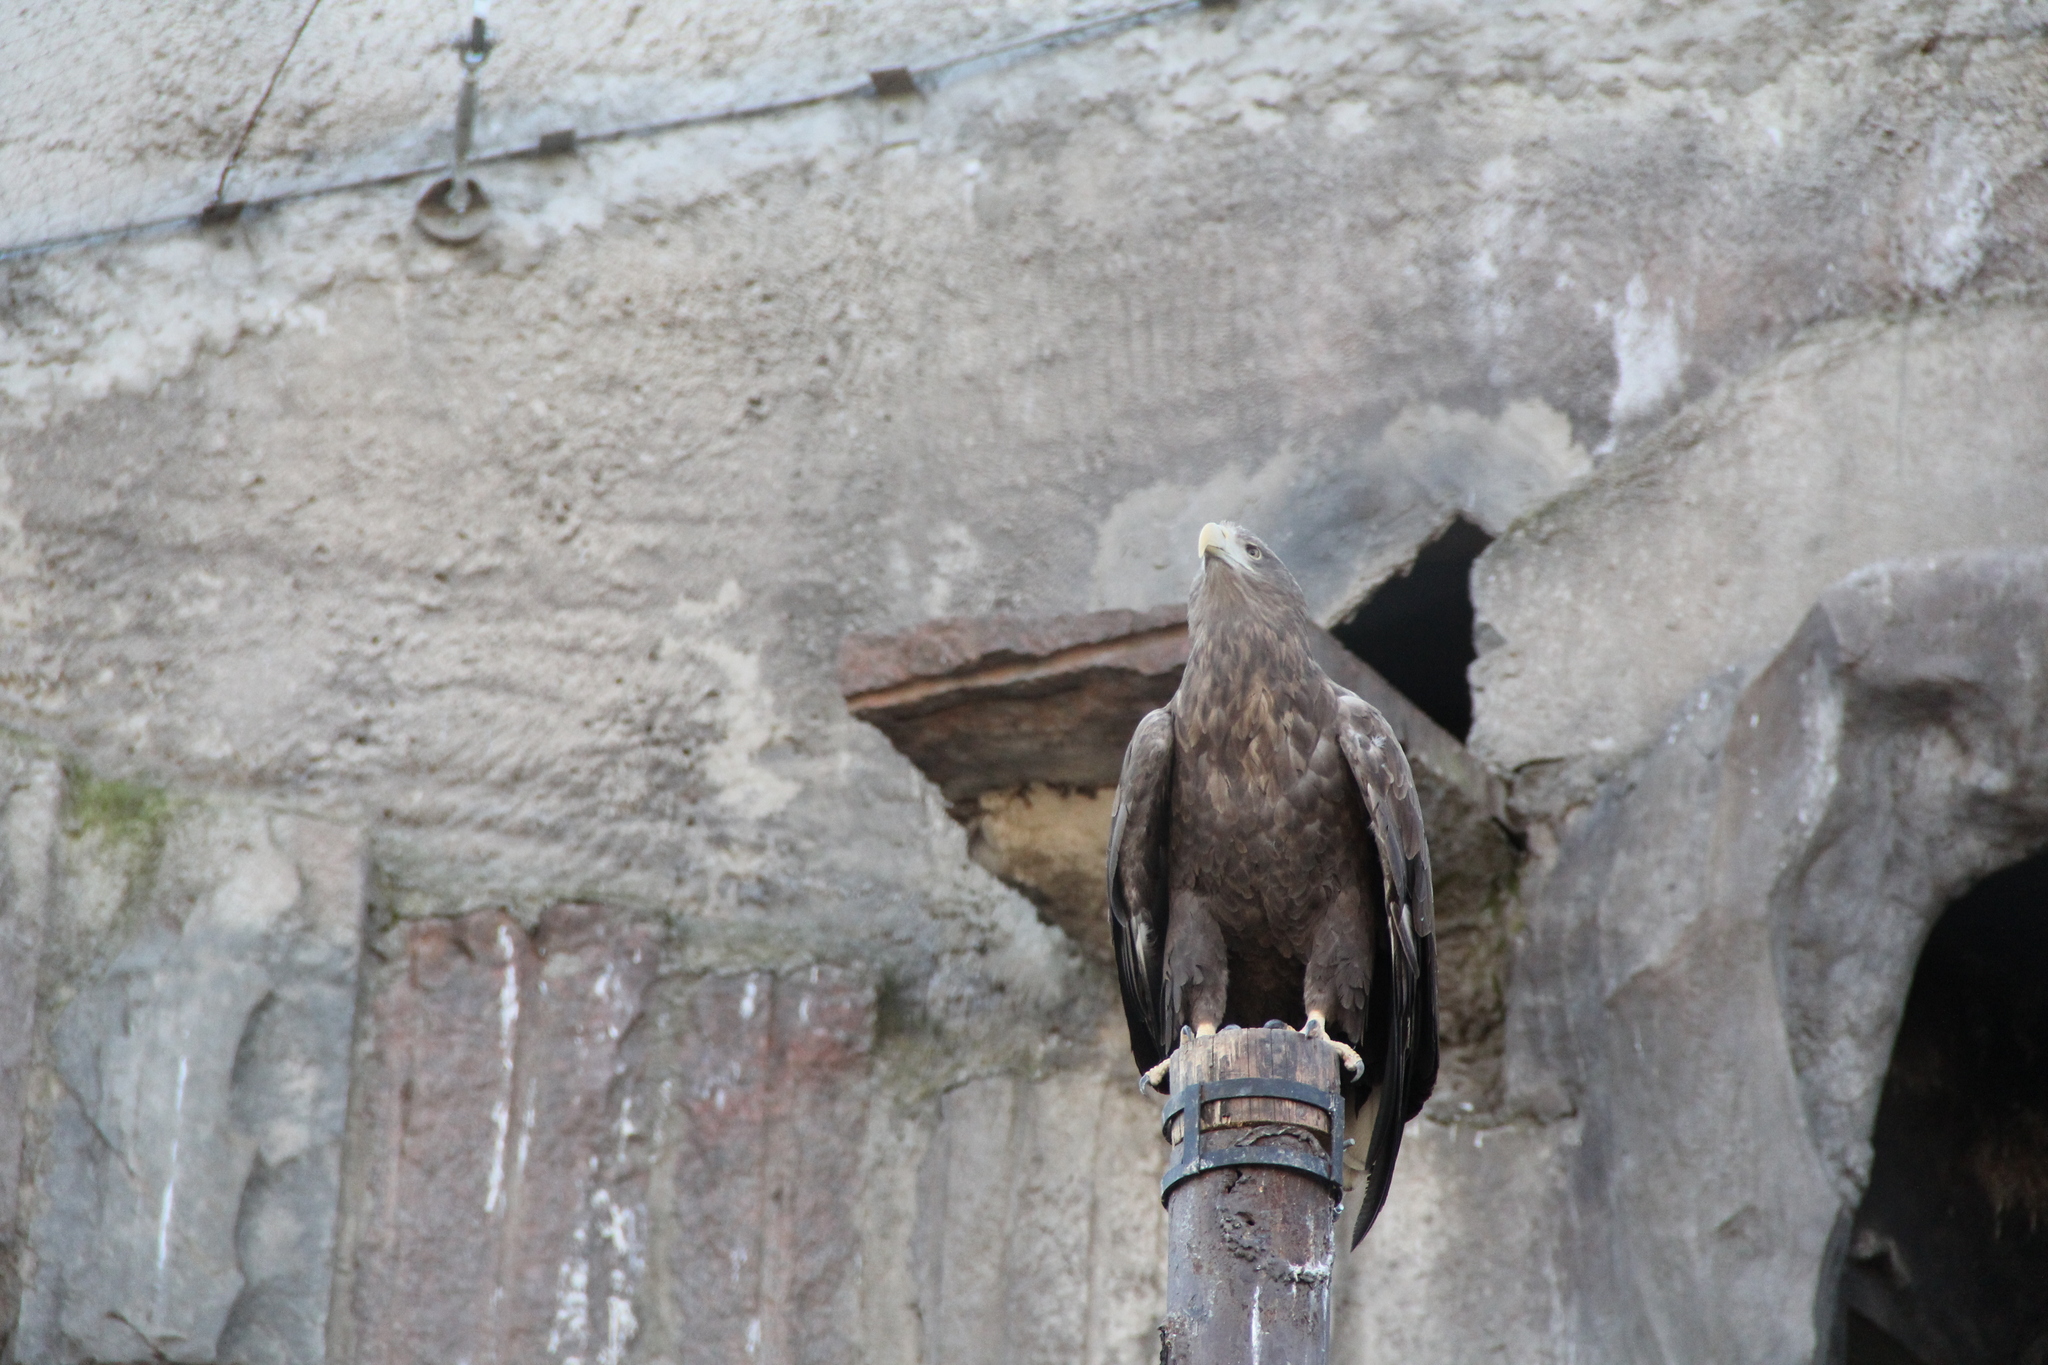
x,y
1137,882
1405,996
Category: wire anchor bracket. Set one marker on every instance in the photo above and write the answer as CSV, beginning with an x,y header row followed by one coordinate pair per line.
x,y
456,209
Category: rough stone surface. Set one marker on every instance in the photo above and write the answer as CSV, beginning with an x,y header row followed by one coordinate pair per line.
x,y
31,793
565,1157
1719,950
759,1178
1868,441
1350,238
492,1060
533,561
1467,1261
187,1176
1061,1258
1051,843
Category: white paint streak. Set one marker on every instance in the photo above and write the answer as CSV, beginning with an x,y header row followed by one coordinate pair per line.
x,y
525,1134
626,1129
753,1335
620,1327
508,1022
572,1307
747,1000
621,1229
170,1200
1255,1322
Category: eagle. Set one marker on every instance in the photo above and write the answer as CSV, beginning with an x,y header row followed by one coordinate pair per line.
x,y
1267,859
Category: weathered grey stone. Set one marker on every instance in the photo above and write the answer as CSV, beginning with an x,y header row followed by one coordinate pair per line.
x,y
1346,517
1468,1261
31,791
1703,548
1719,949
1899,753
187,1179
1170,259
1038,1235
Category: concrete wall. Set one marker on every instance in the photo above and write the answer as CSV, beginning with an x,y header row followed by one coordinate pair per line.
x,y
511,578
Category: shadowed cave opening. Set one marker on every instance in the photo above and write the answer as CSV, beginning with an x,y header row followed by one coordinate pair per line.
x,y
1948,1255
1416,628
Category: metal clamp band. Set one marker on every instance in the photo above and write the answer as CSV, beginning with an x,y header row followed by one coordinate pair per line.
x,y
1186,1104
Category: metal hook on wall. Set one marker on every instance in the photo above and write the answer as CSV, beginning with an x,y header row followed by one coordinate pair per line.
x,y
456,209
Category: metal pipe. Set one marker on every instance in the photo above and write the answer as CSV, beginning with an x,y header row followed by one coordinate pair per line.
x,y
1250,1247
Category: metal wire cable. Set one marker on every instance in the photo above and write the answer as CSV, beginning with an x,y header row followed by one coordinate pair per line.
x,y
221,210
220,190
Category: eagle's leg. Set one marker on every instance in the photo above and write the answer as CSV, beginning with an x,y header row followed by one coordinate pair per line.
x,y
1353,1063
1339,977
1197,975
1197,965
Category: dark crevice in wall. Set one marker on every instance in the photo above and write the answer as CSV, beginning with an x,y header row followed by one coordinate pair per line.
x,y
1948,1257
1416,629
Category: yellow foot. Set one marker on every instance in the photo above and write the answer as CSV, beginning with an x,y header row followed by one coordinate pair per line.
x,y
1155,1079
1353,1063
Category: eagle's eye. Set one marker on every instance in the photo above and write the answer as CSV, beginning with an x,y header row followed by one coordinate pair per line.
x,y
1251,548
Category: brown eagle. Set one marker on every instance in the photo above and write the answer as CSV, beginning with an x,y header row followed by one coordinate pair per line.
x,y
1266,860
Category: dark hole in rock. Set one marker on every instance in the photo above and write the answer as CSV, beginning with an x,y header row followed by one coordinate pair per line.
x,y
1416,629
1948,1257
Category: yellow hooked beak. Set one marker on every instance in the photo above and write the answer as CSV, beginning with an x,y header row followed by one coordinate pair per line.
x,y
1229,543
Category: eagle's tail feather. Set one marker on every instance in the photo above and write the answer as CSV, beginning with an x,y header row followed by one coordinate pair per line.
x,y
1390,1115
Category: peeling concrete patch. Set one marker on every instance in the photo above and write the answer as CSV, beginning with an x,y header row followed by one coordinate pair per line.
x,y
740,708
1649,356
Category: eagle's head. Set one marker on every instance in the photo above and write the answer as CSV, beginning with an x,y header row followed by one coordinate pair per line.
x,y
1241,568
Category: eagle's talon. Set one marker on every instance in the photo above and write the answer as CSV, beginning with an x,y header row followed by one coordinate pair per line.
x,y
1353,1063
1155,1079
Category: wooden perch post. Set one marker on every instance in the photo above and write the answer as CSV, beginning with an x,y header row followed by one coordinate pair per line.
x,y
1252,1199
